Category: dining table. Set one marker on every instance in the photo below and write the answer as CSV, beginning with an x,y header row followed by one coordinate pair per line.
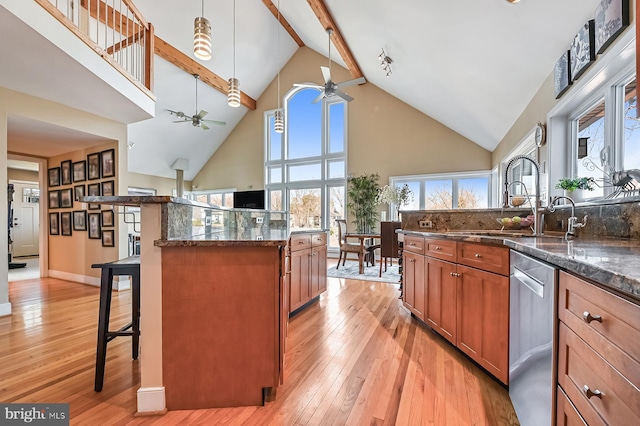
x,y
362,236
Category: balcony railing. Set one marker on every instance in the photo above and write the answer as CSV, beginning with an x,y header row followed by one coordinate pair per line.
x,y
115,29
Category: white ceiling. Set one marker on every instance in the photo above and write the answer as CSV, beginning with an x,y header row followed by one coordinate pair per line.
x,y
472,65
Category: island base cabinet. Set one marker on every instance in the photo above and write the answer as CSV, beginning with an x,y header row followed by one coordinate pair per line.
x,y
413,283
308,268
566,413
483,319
299,279
441,297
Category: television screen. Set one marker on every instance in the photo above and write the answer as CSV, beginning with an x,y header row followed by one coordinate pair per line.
x,y
249,199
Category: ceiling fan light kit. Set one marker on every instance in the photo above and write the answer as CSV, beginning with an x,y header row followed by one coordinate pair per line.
x,y
202,37
385,63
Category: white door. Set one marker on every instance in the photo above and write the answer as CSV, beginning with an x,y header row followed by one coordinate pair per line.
x,y
26,220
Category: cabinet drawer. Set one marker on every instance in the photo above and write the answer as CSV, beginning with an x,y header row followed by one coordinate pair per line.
x,y
488,258
319,239
300,242
606,322
440,249
566,413
581,370
414,244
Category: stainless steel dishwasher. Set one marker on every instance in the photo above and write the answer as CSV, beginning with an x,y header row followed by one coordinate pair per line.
x,y
532,309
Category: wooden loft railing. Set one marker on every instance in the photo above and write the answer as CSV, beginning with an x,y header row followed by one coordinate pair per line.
x,y
116,30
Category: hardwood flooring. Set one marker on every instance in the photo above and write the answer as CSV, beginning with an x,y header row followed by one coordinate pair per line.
x,y
355,357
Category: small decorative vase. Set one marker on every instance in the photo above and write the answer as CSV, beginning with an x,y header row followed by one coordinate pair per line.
x,y
576,195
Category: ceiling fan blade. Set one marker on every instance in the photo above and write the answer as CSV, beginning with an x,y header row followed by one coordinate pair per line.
x,y
360,80
182,121
202,113
310,85
219,123
326,73
319,98
204,126
344,95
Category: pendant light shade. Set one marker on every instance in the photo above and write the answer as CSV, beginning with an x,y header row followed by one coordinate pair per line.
x,y
202,37
278,123
233,93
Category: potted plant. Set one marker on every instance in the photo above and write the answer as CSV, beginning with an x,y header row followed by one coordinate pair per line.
x,y
362,192
573,187
395,196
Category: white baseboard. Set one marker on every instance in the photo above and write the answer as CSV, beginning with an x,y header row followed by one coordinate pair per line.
x,y
5,309
151,400
119,283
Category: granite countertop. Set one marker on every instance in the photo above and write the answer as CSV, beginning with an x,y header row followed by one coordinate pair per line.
x,y
613,262
269,237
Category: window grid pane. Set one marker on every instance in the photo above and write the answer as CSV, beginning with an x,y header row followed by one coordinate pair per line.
x,y
589,146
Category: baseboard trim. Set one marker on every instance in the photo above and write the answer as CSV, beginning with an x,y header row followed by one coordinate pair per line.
x,y
5,309
119,283
151,401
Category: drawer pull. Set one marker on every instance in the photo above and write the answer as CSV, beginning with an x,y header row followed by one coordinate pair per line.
x,y
478,255
587,317
438,248
455,274
589,393
301,242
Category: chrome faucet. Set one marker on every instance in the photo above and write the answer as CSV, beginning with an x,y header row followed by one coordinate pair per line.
x,y
572,222
538,211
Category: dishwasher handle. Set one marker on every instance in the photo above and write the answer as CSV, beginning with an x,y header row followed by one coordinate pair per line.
x,y
534,285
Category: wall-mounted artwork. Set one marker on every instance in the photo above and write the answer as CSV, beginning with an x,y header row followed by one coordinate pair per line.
x,y
78,192
93,166
54,199
65,223
108,163
107,238
107,188
54,176
79,220
80,171
94,226
611,18
93,190
54,223
66,198
65,172
562,75
583,50
107,218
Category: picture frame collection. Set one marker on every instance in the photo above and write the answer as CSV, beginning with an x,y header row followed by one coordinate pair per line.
x,y
611,17
71,181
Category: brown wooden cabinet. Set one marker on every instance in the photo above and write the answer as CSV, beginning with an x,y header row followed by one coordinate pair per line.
x,y
308,268
441,297
413,284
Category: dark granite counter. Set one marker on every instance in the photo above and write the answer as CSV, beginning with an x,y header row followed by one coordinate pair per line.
x,y
274,237
613,262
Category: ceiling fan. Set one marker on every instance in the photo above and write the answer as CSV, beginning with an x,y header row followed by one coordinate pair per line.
x,y
196,120
331,89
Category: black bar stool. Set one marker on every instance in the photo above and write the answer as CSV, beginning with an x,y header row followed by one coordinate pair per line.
x,y
129,267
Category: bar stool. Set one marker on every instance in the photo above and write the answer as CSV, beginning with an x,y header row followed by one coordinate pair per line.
x,y
128,267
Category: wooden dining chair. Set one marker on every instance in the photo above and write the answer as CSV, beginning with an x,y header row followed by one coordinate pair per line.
x,y
346,247
388,243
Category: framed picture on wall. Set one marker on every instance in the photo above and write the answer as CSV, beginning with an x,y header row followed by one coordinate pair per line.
x,y
54,199
108,163
107,238
54,176
93,190
65,172
78,192
93,166
66,198
54,223
612,17
107,218
107,188
94,225
562,74
79,220
583,50
80,171
65,223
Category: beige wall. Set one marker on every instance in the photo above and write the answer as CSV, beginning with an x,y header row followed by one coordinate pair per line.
x,y
19,174
162,185
386,135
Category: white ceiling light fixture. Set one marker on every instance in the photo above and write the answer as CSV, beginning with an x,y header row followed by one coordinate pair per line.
x,y
278,122
385,63
513,1
202,37
233,94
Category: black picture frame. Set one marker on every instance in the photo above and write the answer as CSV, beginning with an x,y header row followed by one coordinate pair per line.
x,y
80,171
107,218
583,50
66,223
79,220
108,163
54,223
107,188
611,18
54,176
54,199
66,198
562,74
65,172
108,238
93,166
93,190
93,224
78,192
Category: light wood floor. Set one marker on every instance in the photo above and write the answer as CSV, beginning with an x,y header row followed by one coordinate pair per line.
x,y
355,357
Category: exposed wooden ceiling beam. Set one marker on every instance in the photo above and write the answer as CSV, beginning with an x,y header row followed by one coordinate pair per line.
x,y
325,18
283,22
184,62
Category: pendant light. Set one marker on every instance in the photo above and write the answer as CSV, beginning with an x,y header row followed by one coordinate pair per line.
x,y
233,94
202,37
278,123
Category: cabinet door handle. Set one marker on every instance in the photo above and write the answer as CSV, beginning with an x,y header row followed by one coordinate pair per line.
x,y
589,393
478,255
455,274
587,317
438,248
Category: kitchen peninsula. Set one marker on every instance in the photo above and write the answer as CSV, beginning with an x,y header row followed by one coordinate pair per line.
x,y
214,304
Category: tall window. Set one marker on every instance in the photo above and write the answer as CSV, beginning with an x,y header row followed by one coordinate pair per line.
x,y
305,168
